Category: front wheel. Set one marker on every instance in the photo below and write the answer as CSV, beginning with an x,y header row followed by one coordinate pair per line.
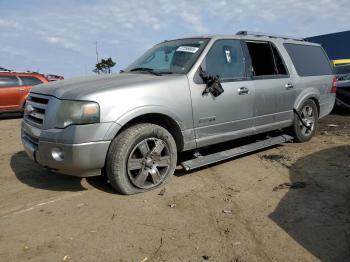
x,y
305,125
141,158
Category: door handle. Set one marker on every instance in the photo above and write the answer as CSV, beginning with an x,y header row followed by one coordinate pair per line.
x,y
289,86
20,89
243,91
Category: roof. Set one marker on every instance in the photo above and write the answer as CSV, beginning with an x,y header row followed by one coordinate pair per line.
x,y
22,74
257,37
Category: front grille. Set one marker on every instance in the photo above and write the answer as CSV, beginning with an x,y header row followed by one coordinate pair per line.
x,y
36,115
31,139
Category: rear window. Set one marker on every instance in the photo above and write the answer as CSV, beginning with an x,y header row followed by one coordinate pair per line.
x,y
8,81
30,81
309,60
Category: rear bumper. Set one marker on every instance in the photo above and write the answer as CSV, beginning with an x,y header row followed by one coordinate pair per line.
x,y
82,159
327,106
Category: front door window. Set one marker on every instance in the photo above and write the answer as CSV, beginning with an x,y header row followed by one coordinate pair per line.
x,y
225,59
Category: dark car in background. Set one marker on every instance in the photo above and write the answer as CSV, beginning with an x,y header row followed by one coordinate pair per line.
x,y
343,91
14,89
341,70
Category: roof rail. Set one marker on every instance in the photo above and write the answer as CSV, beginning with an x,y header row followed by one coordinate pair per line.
x,y
268,35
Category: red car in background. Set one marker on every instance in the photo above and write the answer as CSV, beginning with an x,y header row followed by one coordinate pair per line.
x,y
14,89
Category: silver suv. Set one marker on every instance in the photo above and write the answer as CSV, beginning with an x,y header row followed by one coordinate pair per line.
x,y
180,95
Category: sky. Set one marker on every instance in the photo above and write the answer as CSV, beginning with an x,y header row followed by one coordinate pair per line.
x,y
59,36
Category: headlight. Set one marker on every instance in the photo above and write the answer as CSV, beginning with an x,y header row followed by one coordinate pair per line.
x,y
77,112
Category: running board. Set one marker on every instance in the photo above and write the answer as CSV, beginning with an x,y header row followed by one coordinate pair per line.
x,y
237,151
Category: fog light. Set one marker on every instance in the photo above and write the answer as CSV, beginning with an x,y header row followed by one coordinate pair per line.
x,y
57,154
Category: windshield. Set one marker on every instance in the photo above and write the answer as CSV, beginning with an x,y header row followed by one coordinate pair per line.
x,y
170,57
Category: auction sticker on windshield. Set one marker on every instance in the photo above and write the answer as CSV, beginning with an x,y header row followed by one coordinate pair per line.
x,y
189,49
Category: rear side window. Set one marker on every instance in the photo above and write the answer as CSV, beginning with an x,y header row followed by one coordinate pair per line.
x,y
8,81
30,81
266,60
309,60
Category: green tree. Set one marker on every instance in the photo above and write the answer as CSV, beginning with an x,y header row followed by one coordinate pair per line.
x,y
104,66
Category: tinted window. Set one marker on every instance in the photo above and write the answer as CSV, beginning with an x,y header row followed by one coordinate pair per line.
x,y
262,58
309,60
225,59
8,81
30,81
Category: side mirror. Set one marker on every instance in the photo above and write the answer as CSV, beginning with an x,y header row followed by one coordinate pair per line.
x,y
213,84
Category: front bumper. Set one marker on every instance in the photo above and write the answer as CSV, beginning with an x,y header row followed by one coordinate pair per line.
x,y
80,159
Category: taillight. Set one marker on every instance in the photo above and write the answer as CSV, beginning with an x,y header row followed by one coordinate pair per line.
x,y
334,86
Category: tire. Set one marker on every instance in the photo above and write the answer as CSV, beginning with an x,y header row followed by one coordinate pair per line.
x,y
309,113
141,158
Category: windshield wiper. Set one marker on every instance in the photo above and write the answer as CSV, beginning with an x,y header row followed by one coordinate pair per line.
x,y
165,72
145,69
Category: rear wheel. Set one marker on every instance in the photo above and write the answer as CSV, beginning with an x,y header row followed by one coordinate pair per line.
x,y
305,127
141,158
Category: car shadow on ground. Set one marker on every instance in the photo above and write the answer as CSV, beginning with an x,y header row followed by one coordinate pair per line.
x,y
6,116
337,110
34,175
317,216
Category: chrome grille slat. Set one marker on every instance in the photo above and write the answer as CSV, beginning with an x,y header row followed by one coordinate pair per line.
x,y
31,139
31,122
38,104
38,115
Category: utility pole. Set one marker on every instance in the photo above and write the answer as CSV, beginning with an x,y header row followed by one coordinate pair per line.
x,y
96,53
98,72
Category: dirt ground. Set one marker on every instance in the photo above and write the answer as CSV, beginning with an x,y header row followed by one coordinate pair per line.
x,y
287,203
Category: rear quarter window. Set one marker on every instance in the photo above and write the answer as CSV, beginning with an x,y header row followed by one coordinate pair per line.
x,y
8,81
30,81
309,60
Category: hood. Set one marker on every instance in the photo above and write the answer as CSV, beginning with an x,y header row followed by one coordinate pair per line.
x,y
76,88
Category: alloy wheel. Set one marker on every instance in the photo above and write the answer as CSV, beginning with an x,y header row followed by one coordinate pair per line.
x,y
149,163
308,116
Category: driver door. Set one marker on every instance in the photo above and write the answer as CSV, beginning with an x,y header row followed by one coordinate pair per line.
x,y
230,115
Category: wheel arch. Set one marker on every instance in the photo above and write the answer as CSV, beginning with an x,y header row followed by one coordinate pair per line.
x,y
308,94
317,104
168,121
162,120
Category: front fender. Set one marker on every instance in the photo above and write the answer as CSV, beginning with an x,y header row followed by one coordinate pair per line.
x,y
139,111
143,110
